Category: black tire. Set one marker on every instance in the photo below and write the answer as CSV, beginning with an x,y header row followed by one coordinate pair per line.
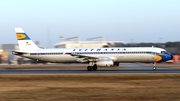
x,y
116,64
94,67
154,68
89,68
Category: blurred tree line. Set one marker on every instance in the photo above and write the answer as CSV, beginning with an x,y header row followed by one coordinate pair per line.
x,y
167,44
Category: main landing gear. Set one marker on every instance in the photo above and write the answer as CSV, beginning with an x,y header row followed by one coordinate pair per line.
x,y
94,67
116,64
154,66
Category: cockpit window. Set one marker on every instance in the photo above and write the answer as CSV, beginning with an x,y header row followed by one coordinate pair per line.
x,y
164,52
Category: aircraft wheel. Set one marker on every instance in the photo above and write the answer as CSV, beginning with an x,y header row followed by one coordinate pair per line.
x,y
89,68
154,68
95,67
116,64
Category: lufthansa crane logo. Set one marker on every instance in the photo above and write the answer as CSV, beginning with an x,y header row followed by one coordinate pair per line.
x,y
20,36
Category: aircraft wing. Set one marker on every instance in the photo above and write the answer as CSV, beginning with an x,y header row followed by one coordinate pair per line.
x,y
18,53
87,58
82,56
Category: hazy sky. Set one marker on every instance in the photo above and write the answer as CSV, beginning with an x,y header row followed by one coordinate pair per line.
x,y
116,20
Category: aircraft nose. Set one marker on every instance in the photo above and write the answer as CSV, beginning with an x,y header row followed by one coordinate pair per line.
x,y
171,56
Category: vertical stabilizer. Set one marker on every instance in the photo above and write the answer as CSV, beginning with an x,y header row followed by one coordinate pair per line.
x,y
24,41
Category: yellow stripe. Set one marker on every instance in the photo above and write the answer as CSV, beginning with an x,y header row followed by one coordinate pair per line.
x,y
158,58
20,36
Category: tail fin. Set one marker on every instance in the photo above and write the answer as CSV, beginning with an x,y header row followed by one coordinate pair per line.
x,y
24,41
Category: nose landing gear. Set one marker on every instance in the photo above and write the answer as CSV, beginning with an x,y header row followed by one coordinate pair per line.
x,y
154,66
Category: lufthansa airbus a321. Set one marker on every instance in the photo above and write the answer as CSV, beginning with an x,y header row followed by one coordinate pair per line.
x,y
94,57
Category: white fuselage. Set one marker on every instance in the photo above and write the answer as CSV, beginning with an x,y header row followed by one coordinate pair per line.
x,y
121,54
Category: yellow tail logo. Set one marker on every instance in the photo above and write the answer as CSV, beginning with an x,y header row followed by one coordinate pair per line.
x,y
20,36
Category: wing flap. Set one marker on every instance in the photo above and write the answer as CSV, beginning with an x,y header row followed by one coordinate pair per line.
x,y
82,56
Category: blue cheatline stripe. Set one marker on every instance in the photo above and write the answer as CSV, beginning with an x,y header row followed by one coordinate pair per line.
x,y
95,53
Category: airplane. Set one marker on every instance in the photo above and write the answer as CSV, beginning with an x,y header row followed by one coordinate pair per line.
x,y
94,57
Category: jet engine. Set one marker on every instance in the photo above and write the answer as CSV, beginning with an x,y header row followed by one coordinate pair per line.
x,y
103,63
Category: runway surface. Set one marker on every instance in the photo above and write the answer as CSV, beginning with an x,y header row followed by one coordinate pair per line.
x,y
123,69
85,71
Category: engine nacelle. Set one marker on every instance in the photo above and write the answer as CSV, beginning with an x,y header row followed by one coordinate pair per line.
x,y
103,63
